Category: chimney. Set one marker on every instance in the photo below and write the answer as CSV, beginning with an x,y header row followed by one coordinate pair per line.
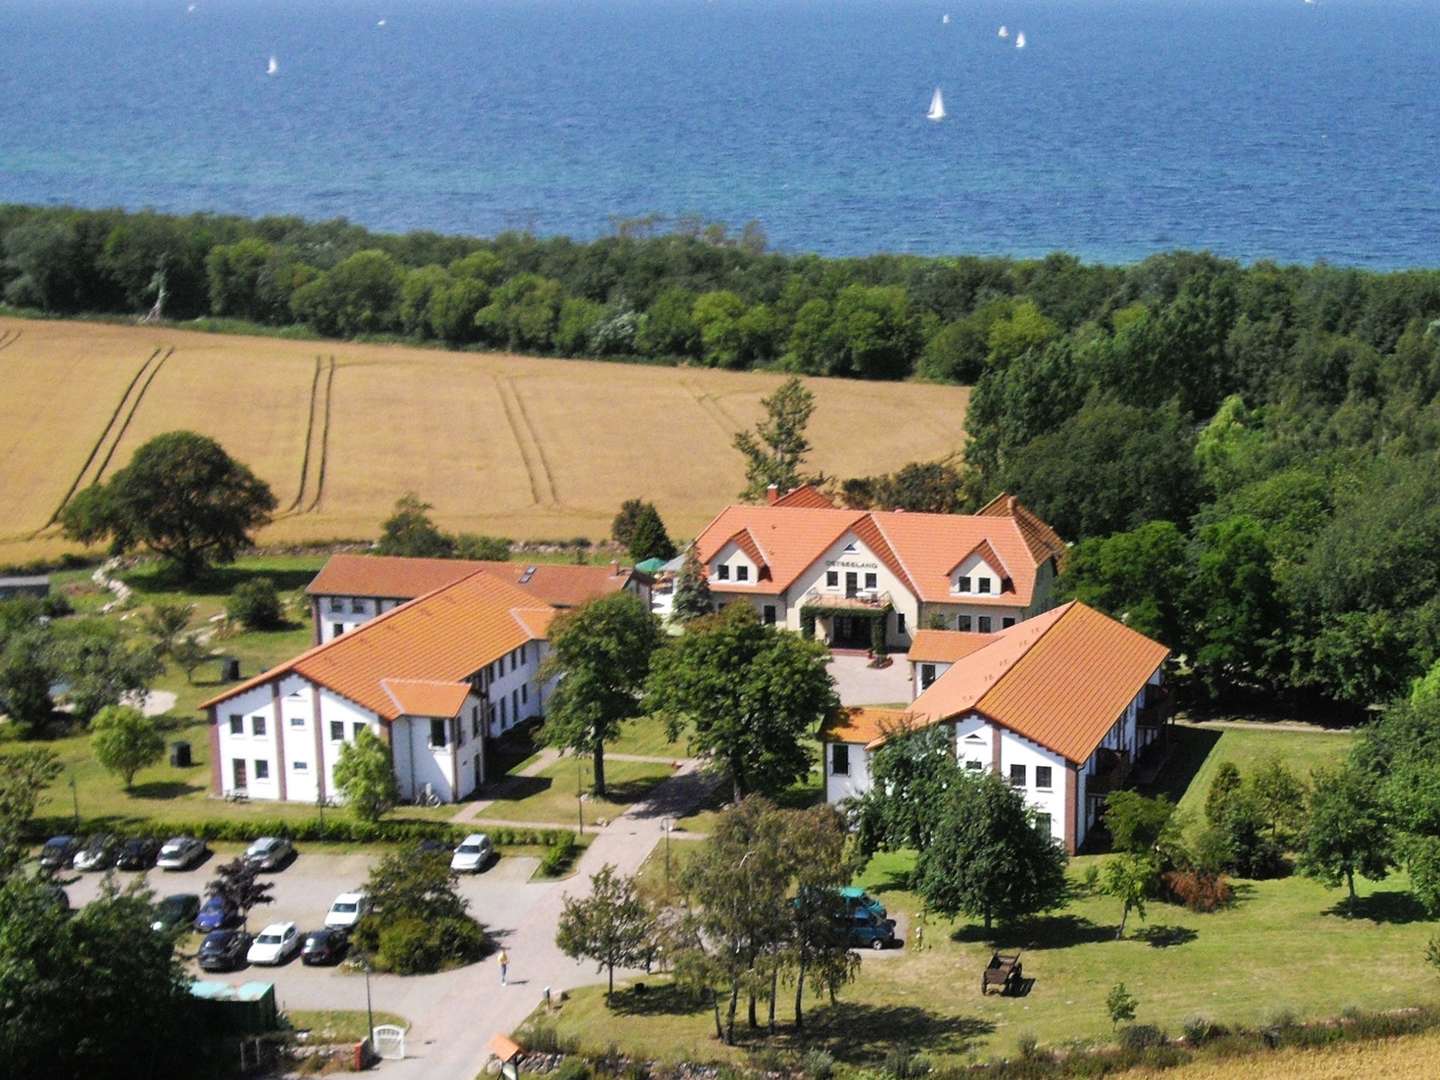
x,y
772,494
1011,502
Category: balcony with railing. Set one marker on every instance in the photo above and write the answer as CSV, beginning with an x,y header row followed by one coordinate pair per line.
x,y
1156,709
1112,770
857,600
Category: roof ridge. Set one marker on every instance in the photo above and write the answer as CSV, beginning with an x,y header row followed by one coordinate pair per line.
x,y
895,550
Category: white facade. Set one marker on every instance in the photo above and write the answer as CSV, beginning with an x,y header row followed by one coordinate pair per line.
x,y
336,615
847,771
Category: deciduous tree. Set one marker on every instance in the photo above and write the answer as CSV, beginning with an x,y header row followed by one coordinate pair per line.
x,y
365,776
1129,879
101,665
410,531
1347,832
24,776
239,882
611,926
125,740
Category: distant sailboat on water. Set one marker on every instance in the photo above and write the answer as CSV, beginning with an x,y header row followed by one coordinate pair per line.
x,y
945,19
1003,32
1020,41
272,67
937,106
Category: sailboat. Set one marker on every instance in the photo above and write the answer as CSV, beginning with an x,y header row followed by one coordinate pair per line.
x,y
272,67
1020,41
945,19
1004,32
937,106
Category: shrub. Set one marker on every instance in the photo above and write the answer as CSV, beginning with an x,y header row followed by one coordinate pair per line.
x,y
543,1037
1199,1030
1135,1037
901,1064
1028,1046
572,1068
558,855
412,946
256,605
1198,890
817,1065
1223,788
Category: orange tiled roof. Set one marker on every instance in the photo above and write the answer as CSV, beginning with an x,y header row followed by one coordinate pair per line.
x,y
991,558
806,495
745,541
1061,679
426,697
945,646
394,577
863,724
1043,541
444,636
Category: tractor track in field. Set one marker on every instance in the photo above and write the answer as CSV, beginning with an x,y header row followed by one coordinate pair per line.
x,y
537,469
132,396
711,408
312,463
8,338
323,465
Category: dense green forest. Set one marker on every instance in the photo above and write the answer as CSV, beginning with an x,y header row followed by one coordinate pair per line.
x,y
1244,455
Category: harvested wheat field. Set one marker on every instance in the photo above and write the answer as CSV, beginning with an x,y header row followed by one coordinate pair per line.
x,y
512,445
1409,1056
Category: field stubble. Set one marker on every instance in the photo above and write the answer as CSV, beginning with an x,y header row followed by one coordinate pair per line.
x,y
510,445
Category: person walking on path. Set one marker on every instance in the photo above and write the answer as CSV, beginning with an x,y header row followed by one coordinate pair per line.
x,y
504,959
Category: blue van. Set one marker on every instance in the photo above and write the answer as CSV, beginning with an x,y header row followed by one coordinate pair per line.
x,y
868,930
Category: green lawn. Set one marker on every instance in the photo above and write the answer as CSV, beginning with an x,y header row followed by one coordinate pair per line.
x,y
1284,945
550,796
339,1025
799,795
1246,747
646,735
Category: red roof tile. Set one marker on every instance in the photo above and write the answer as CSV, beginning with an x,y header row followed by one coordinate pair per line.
x,y
945,646
864,724
393,577
806,495
1043,541
426,697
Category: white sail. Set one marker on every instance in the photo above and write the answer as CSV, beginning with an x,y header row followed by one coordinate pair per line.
x,y
946,18
272,67
937,106
1020,41
1003,32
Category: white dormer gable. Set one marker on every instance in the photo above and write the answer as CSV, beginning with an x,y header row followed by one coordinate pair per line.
x,y
731,566
979,574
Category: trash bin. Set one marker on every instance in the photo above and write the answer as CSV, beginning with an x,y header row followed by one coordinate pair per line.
x,y
230,669
180,754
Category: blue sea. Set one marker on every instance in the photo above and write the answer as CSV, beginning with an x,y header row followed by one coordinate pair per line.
x,y
1258,129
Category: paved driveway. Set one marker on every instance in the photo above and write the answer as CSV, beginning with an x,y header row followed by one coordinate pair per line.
x,y
859,684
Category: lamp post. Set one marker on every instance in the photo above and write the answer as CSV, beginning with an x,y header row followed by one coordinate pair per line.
x,y
369,1011
666,824
579,803
75,800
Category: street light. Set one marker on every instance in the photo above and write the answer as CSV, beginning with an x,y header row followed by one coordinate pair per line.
x,y
579,804
369,1011
666,824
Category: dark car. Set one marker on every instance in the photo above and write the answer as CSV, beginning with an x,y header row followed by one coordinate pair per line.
x,y
223,950
138,853
176,911
59,852
216,913
324,946
181,853
99,853
867,930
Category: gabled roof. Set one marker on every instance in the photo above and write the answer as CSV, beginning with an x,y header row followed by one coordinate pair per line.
x,y
919,549
989,556
864,724
1061,679
944,646
806,495
445,636
426,697
395,577
746,542
1043,541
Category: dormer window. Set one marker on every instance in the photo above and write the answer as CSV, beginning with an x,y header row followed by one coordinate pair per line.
x,y
962,583
983,584
742,573
722,572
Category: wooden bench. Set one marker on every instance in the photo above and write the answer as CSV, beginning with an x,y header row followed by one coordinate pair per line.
x,y
238,794
1004,972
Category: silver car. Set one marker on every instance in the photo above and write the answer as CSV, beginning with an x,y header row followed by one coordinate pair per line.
x,y
269,852
181,853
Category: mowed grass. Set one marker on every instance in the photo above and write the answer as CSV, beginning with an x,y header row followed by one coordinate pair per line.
x,y
1410,1056
518,446
1284,945
1247,747
550,796
340,1025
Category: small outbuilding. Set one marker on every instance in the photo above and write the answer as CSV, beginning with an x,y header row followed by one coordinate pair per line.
x,y
37,585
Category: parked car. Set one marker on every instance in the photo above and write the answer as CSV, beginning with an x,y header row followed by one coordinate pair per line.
x,y
324,946
217,912
867,930
176,911
138,853
99,853
59,852
473,854
348,909
275,944
223,950
857,899
181,853
269,852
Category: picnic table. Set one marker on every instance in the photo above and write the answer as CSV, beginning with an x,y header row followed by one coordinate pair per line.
x,y
1004,971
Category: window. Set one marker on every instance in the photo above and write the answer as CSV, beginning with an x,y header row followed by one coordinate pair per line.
x,y
297,721
974,766
1042,825
1042,776
515,704
257,725
832,579
1017,775
437,733
336,604
1007,622
299,766
722,572
963,584
356,733
983,584
336,629
769,614
525,692
502,712
357,605
839,759
900,623
871,582
927,675
237,724
742,573
962,622
337,731
984,624
262,770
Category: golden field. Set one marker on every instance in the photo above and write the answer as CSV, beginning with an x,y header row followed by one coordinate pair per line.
x,y
511,445
1409,1056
